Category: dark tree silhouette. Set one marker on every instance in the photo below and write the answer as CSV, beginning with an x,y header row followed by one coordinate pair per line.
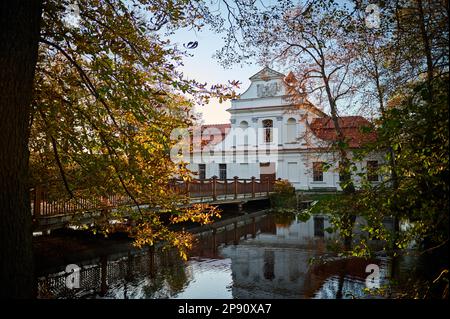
x,y
19,34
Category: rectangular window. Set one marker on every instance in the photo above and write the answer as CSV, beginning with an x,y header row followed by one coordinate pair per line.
x,y
268,126
267,135
318,171
269,264
202,171
372,171
293,172
319,227
223,171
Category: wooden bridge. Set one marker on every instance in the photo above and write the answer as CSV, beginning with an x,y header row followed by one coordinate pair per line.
x,y
52,212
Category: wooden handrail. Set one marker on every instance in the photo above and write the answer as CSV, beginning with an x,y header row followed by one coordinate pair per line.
x,y
44,205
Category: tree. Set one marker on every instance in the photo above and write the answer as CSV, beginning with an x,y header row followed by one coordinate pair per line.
x,y
407,75
400,67
418,133
19,34
107,95
312,39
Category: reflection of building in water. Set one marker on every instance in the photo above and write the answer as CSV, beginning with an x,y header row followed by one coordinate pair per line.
x,y
259,272
276,265
298,232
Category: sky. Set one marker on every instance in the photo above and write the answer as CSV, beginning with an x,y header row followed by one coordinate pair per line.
x,y
204,68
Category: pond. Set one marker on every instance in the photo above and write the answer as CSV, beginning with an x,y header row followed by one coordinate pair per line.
x,y
259,257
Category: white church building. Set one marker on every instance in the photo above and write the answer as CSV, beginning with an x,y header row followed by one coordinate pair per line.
x,y
274,133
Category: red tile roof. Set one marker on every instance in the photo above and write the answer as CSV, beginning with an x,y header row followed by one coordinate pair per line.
x,y
221,127
351,127
211,134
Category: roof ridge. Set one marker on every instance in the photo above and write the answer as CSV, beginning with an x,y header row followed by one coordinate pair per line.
x,y
216,124
267,69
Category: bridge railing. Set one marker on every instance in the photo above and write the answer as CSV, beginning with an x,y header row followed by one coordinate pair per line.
x,y
47,200
216,189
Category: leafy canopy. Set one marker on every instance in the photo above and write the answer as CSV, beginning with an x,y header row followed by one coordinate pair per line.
x,y
108,94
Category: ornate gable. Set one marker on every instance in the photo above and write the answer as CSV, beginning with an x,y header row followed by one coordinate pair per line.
x,y
266,74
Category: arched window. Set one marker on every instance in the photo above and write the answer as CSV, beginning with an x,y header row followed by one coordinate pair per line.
x,y
291,130
243,138
243,125
268,126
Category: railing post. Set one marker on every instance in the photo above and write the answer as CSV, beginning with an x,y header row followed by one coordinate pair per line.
x,y
214,187
253,186
245,187
37,201
188,193
225,181
103,275
202,189
236,186
236,237
253,227
214,241
151,252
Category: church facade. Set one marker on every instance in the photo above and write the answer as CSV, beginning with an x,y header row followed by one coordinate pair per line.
x,y
275,133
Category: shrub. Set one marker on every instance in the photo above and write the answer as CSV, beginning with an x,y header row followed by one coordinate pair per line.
x,y
283,186
283,197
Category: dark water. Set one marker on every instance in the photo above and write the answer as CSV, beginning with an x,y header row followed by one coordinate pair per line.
x,y
263,257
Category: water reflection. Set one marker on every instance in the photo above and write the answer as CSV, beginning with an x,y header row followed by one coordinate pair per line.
x,y
260,257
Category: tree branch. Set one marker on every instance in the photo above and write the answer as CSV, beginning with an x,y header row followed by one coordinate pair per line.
x,y
86,80
57,158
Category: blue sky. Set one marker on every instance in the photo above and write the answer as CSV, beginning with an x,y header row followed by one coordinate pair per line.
x,y
204,68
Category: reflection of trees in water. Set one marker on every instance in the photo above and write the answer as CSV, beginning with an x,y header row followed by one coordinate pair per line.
x,y
339,278
269,264
168,277
283,219
154,285
151,274
174,272
144,274
340,287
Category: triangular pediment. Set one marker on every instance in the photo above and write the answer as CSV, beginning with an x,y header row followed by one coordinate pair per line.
x,y
266,74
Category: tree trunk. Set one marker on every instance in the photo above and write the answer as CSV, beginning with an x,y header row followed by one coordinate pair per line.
x,y
348,187
347,184
19,35
427,50
392,166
